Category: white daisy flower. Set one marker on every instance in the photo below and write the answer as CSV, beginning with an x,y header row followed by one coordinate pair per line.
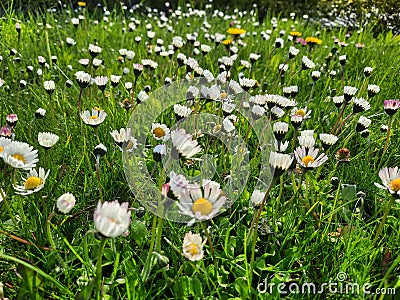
x,y
47,139
66,202
257,197
192,247
160,132
183,144
391,180
20,155
124,140
308,159
112,219
33,183
95,118
200,205
3,143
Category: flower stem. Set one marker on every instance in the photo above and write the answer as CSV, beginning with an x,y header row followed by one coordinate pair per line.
x,y
341,124
388,135
99,274
210,243
380,228
98,177
254,223
50,237
3,196
339,118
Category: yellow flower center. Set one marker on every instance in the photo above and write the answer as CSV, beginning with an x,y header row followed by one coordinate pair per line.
x,y
82,4
1,149
159,132
301,112
307,160
93,117
224,95
203,206
394,185
20,157
227,42
192,249
33,182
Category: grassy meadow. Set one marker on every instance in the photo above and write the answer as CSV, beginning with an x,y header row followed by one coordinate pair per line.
x,y
268,220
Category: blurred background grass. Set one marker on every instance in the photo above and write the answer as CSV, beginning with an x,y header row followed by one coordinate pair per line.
x,y
383,14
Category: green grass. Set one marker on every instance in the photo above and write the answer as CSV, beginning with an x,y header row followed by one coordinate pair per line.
x,y
297,249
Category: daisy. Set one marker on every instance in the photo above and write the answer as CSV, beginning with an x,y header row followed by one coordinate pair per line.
x,y
3,143
94,50
95,118
391,106
257,112
283,68
33,183
306,141
49,86
6,131
280,129
137,69
308,159
114,79
201,205
47,139
301,112
391,180
83,79
307,63
280,162
257,197
293,51
124,140
84,62
315,75
40,113
183,145
159,152
160,132
181,111
11,120
277,113
101,82
360,105
368,71
327,140
66,202
338,100
342,59
96,63
363,124
192,246
112,219
349,92
20,155
373,90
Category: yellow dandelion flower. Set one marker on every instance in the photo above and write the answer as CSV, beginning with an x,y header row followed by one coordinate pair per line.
x,y
295,33
226,42
81,4
313,40
236,31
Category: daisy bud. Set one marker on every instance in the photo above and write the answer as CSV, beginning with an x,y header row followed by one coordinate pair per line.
x,y
66,202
